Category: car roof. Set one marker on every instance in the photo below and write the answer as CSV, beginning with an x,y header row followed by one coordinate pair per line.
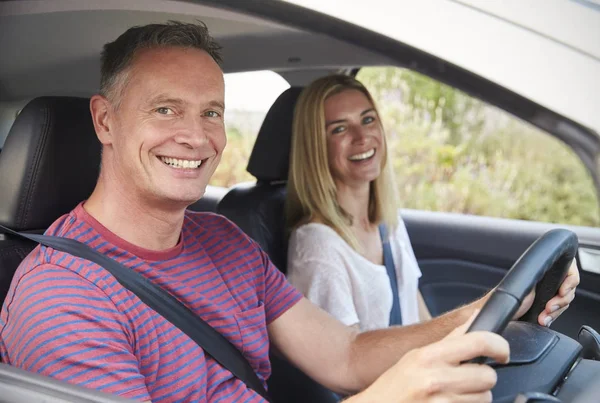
x,y
549,51
53,47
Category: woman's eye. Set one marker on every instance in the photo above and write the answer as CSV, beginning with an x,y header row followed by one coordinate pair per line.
x,y
338,129
368,119
164,111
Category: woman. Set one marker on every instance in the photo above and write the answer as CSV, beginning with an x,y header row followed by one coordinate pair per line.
x,y
341,200
341,207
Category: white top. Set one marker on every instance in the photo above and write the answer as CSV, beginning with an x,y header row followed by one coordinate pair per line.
x,y
344,283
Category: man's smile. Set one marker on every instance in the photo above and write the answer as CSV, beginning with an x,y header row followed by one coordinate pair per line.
x,y
180,163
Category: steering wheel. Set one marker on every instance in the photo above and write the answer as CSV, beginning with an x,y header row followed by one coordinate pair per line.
x,y
547,259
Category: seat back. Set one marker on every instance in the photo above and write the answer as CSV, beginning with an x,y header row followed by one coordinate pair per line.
x,y
258,209
260,216
50,162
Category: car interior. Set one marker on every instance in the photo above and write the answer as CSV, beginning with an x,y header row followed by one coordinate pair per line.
x,y
47,185
50,159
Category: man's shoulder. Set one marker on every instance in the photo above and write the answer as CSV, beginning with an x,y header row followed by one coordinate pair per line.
x,y
217,224
206,217
211,228
68,225
228,247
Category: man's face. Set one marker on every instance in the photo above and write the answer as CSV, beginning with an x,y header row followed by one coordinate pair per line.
x,y
168,134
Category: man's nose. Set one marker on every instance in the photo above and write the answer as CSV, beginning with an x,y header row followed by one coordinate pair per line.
x,y
193,133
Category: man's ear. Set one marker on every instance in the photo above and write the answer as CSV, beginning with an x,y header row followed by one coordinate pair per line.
x,y
102,116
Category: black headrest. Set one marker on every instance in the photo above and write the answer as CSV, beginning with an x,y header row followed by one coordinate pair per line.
x,y
270,156
49,163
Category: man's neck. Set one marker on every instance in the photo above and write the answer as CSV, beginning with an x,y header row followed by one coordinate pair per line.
x,y
149,227
355,201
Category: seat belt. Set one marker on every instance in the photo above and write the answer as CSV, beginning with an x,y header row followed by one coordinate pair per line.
x,y
169,307
388,261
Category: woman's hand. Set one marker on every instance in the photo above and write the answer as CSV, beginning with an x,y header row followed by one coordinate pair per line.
x,y
559,303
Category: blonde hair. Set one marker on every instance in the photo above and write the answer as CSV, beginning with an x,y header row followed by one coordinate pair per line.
x,y
311,190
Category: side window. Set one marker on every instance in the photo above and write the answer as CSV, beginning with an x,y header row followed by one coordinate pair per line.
x,y
454,153
248,97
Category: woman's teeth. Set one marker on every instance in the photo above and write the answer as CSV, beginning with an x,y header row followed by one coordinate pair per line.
x,y
363,156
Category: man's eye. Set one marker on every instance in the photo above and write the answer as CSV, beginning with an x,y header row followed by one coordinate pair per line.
x,y
213,114
164,111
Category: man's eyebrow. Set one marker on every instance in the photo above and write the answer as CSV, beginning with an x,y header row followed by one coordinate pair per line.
x,y
367,111
164,99
217,104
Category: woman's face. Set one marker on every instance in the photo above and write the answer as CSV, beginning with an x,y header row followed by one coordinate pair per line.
x,y
355,145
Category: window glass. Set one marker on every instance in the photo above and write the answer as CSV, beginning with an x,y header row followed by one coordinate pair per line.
x,y
248,97
454,153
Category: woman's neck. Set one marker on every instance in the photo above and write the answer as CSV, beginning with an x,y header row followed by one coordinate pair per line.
x,y
355,201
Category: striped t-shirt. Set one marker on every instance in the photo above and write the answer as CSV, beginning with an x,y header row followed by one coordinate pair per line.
x,y
68,318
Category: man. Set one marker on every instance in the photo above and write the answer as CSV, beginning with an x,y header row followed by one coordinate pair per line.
x,y
159,117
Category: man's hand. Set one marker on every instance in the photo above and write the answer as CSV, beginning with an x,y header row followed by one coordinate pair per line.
x,y
557,305
434,372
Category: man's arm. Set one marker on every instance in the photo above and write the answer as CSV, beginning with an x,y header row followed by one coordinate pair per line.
x,y
343,359
436,373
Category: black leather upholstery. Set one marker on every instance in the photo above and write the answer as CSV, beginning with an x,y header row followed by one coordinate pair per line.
x,y
290,385
258,209
12,252
49,163
210,200
270,158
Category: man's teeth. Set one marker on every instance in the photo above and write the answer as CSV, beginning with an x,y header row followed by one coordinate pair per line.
x,y
363,156
183,164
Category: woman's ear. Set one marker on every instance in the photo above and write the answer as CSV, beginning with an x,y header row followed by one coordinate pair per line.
x,y
101,111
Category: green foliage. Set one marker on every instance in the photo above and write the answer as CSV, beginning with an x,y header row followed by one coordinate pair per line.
x,y
454,153
232,168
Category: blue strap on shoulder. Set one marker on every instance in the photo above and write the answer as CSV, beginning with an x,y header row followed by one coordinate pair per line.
x,y
388,261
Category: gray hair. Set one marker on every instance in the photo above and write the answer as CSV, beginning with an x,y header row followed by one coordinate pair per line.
x,y
117,56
